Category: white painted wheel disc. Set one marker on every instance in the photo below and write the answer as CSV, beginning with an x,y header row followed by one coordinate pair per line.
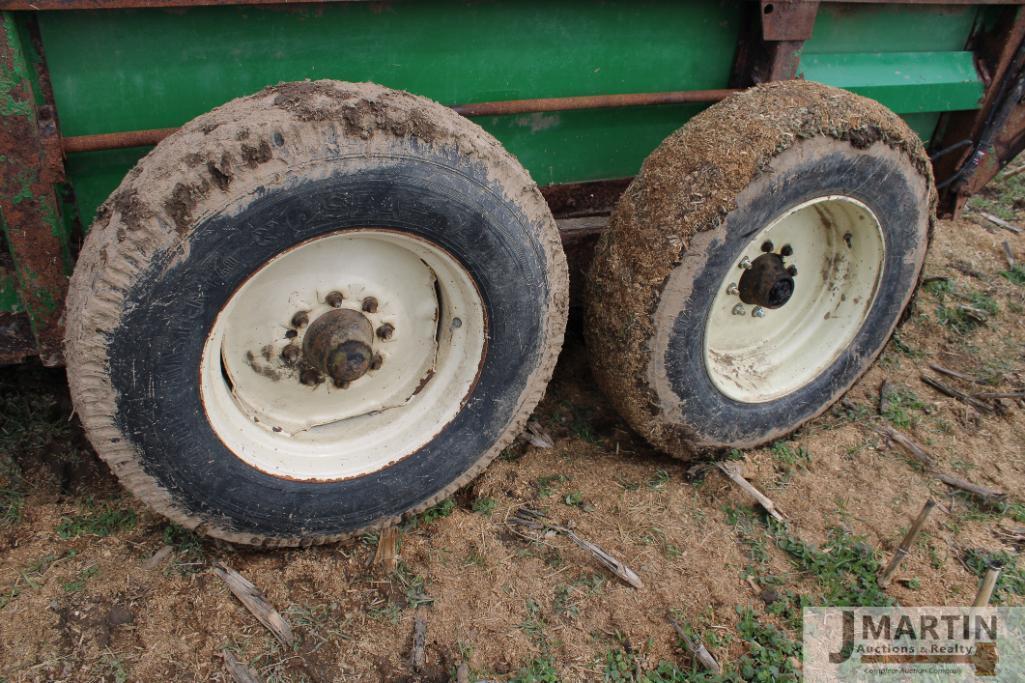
x,y
253,394
755,354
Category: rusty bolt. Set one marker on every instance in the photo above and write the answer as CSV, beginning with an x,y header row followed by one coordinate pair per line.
x,y
385,331
767,246
340,383
370,304
310,377
291,334
792,270
377,362
300,319
290,354
334,299
787,250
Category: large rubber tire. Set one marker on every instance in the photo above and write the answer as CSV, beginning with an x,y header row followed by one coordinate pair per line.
x,y
679,230
223,196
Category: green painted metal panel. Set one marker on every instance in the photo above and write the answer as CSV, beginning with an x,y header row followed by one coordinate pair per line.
x,y
906,82
891,28
136,69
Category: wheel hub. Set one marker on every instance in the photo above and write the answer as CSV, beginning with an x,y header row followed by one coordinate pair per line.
x,y
338,343
766,283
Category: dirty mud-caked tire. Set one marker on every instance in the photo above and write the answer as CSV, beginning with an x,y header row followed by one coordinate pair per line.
x,y
312,311
757,266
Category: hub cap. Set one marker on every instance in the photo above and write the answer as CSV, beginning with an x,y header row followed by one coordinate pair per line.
x,y
794,299
342,355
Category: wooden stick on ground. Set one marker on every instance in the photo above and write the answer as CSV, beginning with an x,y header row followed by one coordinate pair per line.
x,y
989,582
750,490
905,545
240,673
386,555
959,395
418,655
1000,394
996,220
697,648
254,601
1008,254
953,373
532,519
920,454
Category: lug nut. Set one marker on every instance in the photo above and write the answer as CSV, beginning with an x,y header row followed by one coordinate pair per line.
x,y
767,246
792,270
758,312
732,289
290,354
291,334
340,383
334,299
310,377
385,331
787,250
377,362
745,263
300,319
370,305
738,309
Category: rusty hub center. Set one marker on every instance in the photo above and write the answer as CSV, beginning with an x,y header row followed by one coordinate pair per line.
x,y
767,283
338,343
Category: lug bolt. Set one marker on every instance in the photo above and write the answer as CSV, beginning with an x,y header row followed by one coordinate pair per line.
x,y
377,362
300,319
310,377
738,309
758,312
290,354
334,299
792,270
745,263
340,383
787,250
291,334
385,331
732,289
370,305
767,246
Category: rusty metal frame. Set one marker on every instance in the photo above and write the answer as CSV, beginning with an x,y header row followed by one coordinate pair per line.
x,y
28,206
956,145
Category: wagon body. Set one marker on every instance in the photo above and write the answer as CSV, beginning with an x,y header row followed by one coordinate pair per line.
x,y
579,93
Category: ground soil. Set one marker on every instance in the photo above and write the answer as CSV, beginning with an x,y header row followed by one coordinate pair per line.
x,y
107,601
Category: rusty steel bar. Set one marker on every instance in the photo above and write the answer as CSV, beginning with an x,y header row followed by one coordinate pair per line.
x,y
140,138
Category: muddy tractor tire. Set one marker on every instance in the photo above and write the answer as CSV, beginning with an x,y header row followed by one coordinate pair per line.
x,y
757,266
313,311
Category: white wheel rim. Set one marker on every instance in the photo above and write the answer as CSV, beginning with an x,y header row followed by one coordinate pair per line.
x,y
255,401
754,354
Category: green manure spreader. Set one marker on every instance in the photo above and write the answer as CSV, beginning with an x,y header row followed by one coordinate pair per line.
x,y
305,263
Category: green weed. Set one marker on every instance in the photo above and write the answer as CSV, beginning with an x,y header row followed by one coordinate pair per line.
x,y
484,506
103,521
1015,275
898,402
